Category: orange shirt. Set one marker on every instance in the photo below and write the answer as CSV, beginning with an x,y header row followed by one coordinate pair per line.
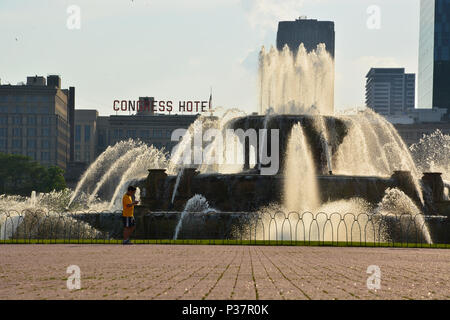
x,y
127,211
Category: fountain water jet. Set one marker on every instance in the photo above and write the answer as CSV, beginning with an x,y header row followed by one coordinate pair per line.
x,y
97,168
300,187
177,183
197,204
116,170
373,147
432,153
300,84
151,157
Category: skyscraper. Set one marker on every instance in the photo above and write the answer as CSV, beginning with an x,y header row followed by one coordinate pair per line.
x,y
307,31
434,55
390,91
310,33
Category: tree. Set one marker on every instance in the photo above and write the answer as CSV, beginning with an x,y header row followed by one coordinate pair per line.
x,y
20,175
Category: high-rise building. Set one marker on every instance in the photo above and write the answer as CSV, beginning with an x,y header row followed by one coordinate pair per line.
x,y
310,32
390,91
434,55
34,120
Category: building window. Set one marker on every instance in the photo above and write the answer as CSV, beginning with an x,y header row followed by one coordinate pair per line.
x,y
2,144
17,143
4,120
31,120
3,132
45,121
31,144
31,154
45,132
43,110
31,132
77,147
45,144
131,133
17,120
101,140
157,133
145,133
17,132
78,133
45,156
77,156
87,133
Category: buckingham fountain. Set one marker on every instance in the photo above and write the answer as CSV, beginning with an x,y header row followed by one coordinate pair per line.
x,y
325,165
296,171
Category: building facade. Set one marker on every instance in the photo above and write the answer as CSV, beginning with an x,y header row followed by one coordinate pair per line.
x,y
412,133
34,120
94,133
390,91
310,32
85,138
434,55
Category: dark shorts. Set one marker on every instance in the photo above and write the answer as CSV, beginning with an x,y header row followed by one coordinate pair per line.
x,y
128,222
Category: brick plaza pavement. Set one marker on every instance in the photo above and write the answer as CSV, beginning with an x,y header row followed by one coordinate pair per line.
x,y
221,272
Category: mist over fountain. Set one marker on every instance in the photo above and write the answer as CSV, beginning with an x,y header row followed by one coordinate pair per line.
x,y
301,83
432,154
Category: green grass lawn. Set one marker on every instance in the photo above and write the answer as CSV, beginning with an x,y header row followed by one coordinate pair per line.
x,y
230,242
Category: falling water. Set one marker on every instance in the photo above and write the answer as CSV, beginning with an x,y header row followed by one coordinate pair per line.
x,y
115,172
100,165
215,150
137,195
264,140
298,84
342,220
150,158
33,200
373,147
396,203
177,182
319,123
196,204
432,154
300,183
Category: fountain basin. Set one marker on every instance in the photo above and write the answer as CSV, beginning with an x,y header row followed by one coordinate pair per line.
x,y
249,192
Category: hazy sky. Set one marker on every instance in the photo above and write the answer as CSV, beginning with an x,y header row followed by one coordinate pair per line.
x,y
176,50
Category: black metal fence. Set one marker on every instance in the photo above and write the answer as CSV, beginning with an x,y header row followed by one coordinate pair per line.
x,y
236,227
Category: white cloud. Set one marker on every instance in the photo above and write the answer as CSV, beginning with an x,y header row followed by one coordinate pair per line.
x,y
250,61
377,62
265,14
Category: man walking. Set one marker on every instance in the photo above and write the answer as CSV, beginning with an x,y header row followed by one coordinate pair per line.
x,y
128,214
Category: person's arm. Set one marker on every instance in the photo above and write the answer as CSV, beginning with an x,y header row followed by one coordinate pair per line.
x,y
133,203
127,203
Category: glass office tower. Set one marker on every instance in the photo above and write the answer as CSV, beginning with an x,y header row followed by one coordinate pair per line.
x,y
434,55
